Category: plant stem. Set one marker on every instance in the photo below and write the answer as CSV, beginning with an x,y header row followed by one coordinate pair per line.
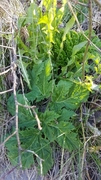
x,y
98,3
89,39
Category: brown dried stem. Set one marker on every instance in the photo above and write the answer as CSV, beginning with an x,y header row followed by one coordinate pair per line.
x,y
83,78
35,114
1,145
13,64
3,92
4,72
98,3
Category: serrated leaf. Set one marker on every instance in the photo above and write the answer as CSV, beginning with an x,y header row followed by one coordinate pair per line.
x,y
32,141
11,103
68,141
34,74
67,138
51,131
25,116
49,116
13,155
34,95
44,83
41,75
66,114
66,96
78,94
27,159
49,120
44,151
61,90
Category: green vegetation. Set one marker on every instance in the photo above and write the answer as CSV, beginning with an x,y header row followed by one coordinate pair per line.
x,y
49,101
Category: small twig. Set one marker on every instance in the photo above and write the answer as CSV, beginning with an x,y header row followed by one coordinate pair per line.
x,y
62,156
84,152
23,93
87,173
8,47
7,139
26,106
83,4
25,57
3,68
3,92
84,139
35,114
95,104
71,9
4,72
34,154
5,10
4,176
41,167
98,3
37,119
13,67
74,2
1,32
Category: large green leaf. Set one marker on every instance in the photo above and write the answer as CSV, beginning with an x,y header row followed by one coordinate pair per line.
x,y
11,103
34,74
66,95
61,90
44,150
13,154
51,131
26,118
66,114
67,138
77,47
48,116
49,122
44,83
32,11
68,27
40,78
32,140
23,67
35,94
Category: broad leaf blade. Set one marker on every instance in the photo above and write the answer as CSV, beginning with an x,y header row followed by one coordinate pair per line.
x,y
78,47
23,67
67,138
68,27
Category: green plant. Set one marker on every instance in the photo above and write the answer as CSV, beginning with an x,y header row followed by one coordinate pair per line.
x,y
59,102
68,59
56,95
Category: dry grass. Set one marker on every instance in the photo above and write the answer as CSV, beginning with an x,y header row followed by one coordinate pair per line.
x,y
9,13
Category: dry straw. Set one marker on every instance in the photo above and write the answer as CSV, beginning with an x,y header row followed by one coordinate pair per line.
x,y
10,10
